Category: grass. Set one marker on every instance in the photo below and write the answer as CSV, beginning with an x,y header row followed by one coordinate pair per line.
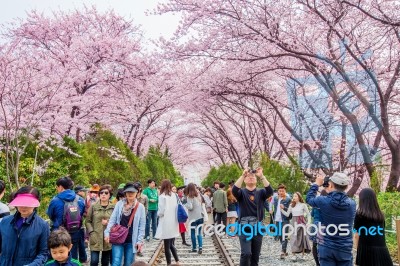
x,y
391,242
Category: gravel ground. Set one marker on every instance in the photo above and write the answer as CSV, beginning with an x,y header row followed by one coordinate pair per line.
x,y
270,253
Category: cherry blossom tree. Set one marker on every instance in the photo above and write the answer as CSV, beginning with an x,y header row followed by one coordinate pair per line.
x,y
74,70
26,103
338,52
92,51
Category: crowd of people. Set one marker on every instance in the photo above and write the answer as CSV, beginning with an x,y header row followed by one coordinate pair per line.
x,y
116,228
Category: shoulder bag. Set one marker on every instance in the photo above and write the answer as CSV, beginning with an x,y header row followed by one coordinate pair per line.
x,y
118,233
181,212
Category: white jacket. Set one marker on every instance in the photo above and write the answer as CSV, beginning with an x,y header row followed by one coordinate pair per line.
x,y
168,226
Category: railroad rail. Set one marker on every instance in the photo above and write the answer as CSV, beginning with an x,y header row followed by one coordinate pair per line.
x,y
216,251
222,251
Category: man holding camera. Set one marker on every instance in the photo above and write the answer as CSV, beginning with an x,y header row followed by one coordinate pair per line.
x,y
337,211
251,202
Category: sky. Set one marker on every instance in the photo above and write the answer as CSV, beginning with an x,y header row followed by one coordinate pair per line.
x,y
153,26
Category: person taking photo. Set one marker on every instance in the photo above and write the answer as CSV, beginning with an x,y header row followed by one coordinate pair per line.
x,y
251,202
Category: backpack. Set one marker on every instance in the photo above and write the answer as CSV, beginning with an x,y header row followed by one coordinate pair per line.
x,y
72,219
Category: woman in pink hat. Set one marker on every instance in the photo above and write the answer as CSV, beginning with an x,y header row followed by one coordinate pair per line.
x,y
23,236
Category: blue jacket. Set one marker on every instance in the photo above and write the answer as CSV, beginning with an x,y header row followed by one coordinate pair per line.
x,y
56,207
335,209
27,247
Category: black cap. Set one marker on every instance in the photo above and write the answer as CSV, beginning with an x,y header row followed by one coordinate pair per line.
x,y
130,188
80,188
137,185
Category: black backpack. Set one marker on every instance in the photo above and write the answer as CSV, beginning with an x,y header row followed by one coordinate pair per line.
x,y
72,219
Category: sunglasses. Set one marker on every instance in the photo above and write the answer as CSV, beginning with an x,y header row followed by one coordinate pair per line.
x,y
104,192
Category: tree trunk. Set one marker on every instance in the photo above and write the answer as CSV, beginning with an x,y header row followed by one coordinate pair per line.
x,y
358,177
392,184
78,134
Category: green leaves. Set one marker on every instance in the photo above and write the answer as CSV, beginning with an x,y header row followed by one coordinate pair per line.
x,y
160,166
102,158
224,173
275,171
282,173
388,202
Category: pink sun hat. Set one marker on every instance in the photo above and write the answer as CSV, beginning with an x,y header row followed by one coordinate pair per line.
x,y
25,200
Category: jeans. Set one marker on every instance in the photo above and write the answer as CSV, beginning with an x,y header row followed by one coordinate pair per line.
x,y
250,250
105,258
283,241
193,233
168,248
122,250
81,246
75,238
151,216
334,257
221,218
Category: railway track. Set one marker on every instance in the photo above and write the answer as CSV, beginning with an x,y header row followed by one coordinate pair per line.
x,y
216,251
222,251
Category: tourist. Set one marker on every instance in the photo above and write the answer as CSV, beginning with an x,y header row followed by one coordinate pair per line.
x,y
168,226
23,236
335,209
371,248
97,219
121,214
251,204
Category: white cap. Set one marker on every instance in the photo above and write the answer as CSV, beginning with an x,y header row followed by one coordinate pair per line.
x,y
340,179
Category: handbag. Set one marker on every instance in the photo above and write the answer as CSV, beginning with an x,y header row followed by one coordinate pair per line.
x,y
118,233
181,212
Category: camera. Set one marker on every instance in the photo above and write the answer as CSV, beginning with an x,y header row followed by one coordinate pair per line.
x,y
326,181
253,171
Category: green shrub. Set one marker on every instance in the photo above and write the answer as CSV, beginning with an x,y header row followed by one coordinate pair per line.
x,y
389,204
275,171
279,173
224,173
160,166
101,158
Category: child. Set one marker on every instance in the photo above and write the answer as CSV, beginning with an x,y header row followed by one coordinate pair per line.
x,y
60,245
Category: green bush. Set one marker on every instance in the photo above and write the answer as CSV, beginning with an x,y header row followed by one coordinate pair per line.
x,y
389,204
224,173
278,173
108,160
160,166
101,158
